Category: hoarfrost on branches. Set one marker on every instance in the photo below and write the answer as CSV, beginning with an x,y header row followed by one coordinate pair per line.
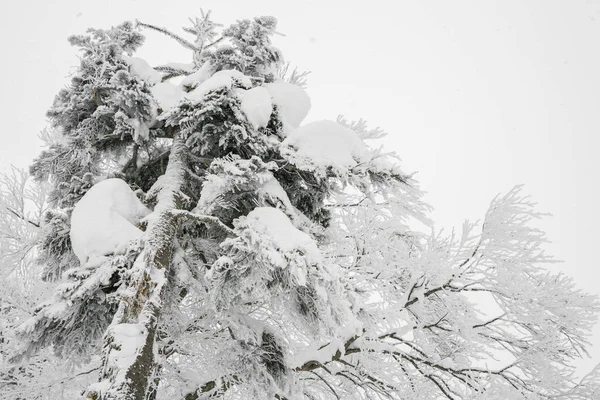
x,y
277,226
260,258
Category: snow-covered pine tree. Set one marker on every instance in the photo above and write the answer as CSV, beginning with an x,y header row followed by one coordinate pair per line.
x,y
210,245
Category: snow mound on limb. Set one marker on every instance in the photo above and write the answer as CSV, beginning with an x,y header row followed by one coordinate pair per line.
x,y
271,188
103,221
140,68
167,95
326,145
224,78
385,163
187,67
292,102
197,77
272,193
257,105
285,237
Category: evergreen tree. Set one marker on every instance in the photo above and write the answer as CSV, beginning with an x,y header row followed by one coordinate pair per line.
x,y
203,243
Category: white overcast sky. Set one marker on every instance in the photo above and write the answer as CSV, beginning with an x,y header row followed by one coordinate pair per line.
x,y
477,95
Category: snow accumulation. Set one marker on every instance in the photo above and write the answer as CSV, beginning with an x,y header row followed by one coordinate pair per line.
x,y
140,68
103,221
187,67
316,352
167,95
196,78
128,339
292,101
322,144
285,238
272,188
325,144
225,78
273,223
99,387
257,105
385,163
213,187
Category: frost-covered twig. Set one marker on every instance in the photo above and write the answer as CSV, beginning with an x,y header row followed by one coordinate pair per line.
x,y
203,219
185,43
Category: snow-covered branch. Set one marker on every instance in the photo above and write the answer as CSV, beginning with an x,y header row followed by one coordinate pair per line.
x,y
209,243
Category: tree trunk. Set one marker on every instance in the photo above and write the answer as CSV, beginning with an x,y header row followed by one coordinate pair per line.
x,y
129,364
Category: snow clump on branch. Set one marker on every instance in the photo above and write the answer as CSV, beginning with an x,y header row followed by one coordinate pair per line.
x,y
104,220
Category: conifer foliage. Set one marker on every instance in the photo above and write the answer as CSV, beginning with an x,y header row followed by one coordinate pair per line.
x,y
202,241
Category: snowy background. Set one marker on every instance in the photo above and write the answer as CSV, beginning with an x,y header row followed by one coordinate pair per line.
x,y
477,95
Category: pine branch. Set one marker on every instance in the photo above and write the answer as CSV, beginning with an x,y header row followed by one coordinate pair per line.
x,y
131,165
295,77
18,215
171,71
203,219
214,43
185,43
79,374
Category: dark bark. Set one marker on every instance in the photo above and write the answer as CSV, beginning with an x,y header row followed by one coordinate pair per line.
x,y
144,307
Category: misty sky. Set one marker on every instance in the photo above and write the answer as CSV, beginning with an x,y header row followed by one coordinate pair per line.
x,y
477,96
